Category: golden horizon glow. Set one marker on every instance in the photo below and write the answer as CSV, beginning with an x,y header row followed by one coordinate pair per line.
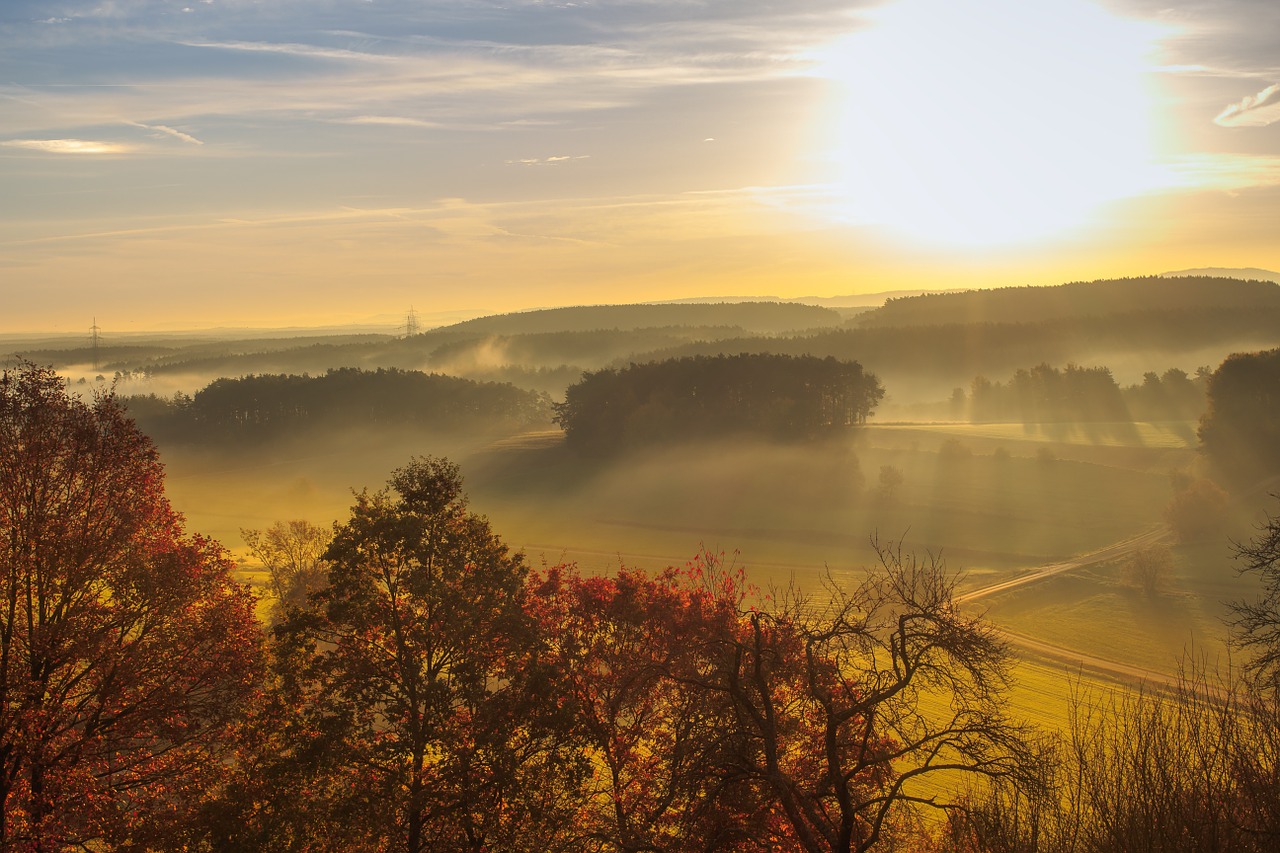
x,y
289,164
990,123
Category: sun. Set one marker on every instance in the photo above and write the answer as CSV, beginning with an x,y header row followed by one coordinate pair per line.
x,y
989,121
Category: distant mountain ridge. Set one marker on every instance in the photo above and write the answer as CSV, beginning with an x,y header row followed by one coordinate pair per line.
x,y
850,300
1103,297
1248,273
757,317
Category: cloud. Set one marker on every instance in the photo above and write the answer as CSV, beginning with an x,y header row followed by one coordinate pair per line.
x,y
1257,110
306,51
547,161
393,121
68,146
1225,172
168,131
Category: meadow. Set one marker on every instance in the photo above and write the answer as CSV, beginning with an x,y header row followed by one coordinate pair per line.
x,y
994,501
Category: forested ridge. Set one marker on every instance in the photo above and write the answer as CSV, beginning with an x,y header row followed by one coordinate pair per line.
x,y
955,352
1075,299
758,317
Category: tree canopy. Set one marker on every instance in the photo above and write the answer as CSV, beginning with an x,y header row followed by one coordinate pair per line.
x,y
1240,432
126,649
264,406
774,395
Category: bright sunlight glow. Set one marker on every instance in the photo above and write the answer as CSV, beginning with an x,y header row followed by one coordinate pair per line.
x,y
991,121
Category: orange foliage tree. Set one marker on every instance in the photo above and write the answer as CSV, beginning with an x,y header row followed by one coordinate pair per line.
x,y
126,649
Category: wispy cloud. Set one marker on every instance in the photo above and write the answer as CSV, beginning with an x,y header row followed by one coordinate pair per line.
x,y
1257,110
307,51
1225,172
164,130
68,146
392,121
548,161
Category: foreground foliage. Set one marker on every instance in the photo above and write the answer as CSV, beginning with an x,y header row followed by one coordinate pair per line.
x,y
428,691
436,695
1190,768
126,649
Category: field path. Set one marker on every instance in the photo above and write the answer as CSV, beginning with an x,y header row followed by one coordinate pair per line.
x,y
1093,663
1114,669
1110,552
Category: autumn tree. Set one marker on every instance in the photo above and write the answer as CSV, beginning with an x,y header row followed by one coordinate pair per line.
x,y
416,673
126,648
719,720
631,653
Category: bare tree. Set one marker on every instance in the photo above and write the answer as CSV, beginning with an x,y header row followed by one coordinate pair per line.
x,y
1256,623
1192,767
846,707
1149,568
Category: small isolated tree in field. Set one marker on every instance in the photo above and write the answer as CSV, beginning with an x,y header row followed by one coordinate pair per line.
x,y
126,649
1149,568
291,552
891,480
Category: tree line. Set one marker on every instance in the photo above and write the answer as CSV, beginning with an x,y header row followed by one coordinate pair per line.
x,y
1240,432
774,395
1075,394
271,405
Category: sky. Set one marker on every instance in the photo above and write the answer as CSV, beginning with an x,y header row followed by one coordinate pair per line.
x,y
187,164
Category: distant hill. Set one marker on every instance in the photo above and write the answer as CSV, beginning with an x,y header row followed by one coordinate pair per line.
x,y
850,300
753,317
1107,297
1227,272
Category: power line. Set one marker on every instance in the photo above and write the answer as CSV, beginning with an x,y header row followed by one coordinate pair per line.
x,y
93,341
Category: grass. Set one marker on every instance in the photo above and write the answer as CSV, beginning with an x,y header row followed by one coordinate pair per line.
x,y
1160,435
982,496
799,508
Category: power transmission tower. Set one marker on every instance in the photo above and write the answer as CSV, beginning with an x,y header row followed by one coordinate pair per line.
x,y
93,342
411,323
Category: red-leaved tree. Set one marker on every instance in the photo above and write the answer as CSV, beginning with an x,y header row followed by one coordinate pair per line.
x,y
631,654
126,648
